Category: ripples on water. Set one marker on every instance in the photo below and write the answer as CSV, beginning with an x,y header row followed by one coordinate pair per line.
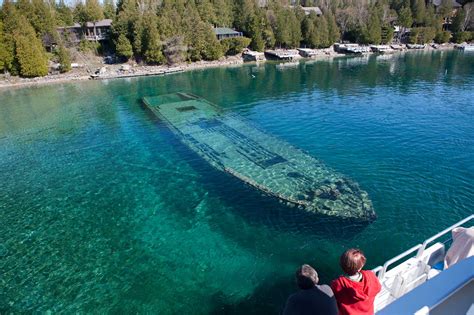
x,y
103,210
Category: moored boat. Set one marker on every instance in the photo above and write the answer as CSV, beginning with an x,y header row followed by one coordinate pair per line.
x,y
233,145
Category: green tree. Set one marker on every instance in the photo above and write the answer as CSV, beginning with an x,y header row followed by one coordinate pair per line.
x,y
310,37
254,29
94,11
442,37
322,33
3,50
373,31
152,46
333,29
445,9
109,9
405,18
80,14
123,48
206,11
234,46
387,34
64,58
457,24
11,19
29,51
64,16
419,11
223,12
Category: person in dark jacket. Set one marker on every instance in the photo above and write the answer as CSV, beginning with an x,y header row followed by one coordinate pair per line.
x,y
312,299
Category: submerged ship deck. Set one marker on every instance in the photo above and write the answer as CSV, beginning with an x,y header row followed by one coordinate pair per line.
x,y
233,145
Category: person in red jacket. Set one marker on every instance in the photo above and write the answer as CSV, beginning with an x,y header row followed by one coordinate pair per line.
x,y
355,291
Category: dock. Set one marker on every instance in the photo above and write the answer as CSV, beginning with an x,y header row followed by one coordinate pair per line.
x,y
127,73
282,54
250,55
351,49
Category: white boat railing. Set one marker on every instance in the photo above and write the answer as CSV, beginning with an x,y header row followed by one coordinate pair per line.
x,y
420,248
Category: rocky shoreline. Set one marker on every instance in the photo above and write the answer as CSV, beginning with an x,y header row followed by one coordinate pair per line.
x,y
117,71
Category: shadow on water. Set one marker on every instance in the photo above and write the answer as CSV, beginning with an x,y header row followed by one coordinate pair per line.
x,y
255,207
267,298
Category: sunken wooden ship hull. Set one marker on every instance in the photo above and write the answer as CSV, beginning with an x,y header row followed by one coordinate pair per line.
x,y
233,145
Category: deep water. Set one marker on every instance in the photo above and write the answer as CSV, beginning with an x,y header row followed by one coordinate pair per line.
x,y
103,210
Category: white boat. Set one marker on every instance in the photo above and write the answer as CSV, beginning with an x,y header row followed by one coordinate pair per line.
x,y
469,47
420,286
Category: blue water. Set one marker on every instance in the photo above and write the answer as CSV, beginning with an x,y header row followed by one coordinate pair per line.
x,y
103,210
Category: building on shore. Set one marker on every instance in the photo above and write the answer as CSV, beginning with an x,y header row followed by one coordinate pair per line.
x,y
447,20
225,32
309,10
98,31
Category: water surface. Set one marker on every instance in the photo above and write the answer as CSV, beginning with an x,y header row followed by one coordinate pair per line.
x,y
103,210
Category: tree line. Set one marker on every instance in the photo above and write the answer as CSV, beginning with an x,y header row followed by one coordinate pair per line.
x,y
172,31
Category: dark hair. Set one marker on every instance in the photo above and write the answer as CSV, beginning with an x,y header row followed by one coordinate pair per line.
x,y
352,261
306,277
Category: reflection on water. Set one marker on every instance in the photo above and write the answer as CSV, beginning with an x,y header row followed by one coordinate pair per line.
x,y
104,210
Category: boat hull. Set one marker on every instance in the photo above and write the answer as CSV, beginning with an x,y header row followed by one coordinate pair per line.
x,y
233,145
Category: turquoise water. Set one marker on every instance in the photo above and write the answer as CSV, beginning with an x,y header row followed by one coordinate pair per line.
x,y
103,210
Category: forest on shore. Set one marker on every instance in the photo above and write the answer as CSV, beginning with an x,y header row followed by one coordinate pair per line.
x,y
173,31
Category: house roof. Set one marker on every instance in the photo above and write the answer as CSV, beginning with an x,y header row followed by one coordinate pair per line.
x,y
455,4
101,23
225,31
316,10
308,10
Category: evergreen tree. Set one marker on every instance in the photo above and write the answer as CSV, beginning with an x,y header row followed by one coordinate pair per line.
x,y
11,20
109,9
93,10
29,51
322,33
457,24
80,14
387,34
123,48
308,28
374,30
64,58
3,50
206,11
446,8
223,12
64,16
419,11
333,29
254,28
405,18
151,41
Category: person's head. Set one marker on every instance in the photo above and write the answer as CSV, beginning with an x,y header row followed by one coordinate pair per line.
x,y
306,277
352,261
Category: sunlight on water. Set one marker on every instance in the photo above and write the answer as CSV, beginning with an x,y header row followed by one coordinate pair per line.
x,y
103,209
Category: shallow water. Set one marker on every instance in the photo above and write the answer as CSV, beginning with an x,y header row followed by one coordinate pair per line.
x,y
104,210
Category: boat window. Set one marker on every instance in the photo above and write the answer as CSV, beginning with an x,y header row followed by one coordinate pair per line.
x,y
185,108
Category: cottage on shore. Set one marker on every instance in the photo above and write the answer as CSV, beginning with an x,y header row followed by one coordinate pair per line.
x,y
225,32
98,31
